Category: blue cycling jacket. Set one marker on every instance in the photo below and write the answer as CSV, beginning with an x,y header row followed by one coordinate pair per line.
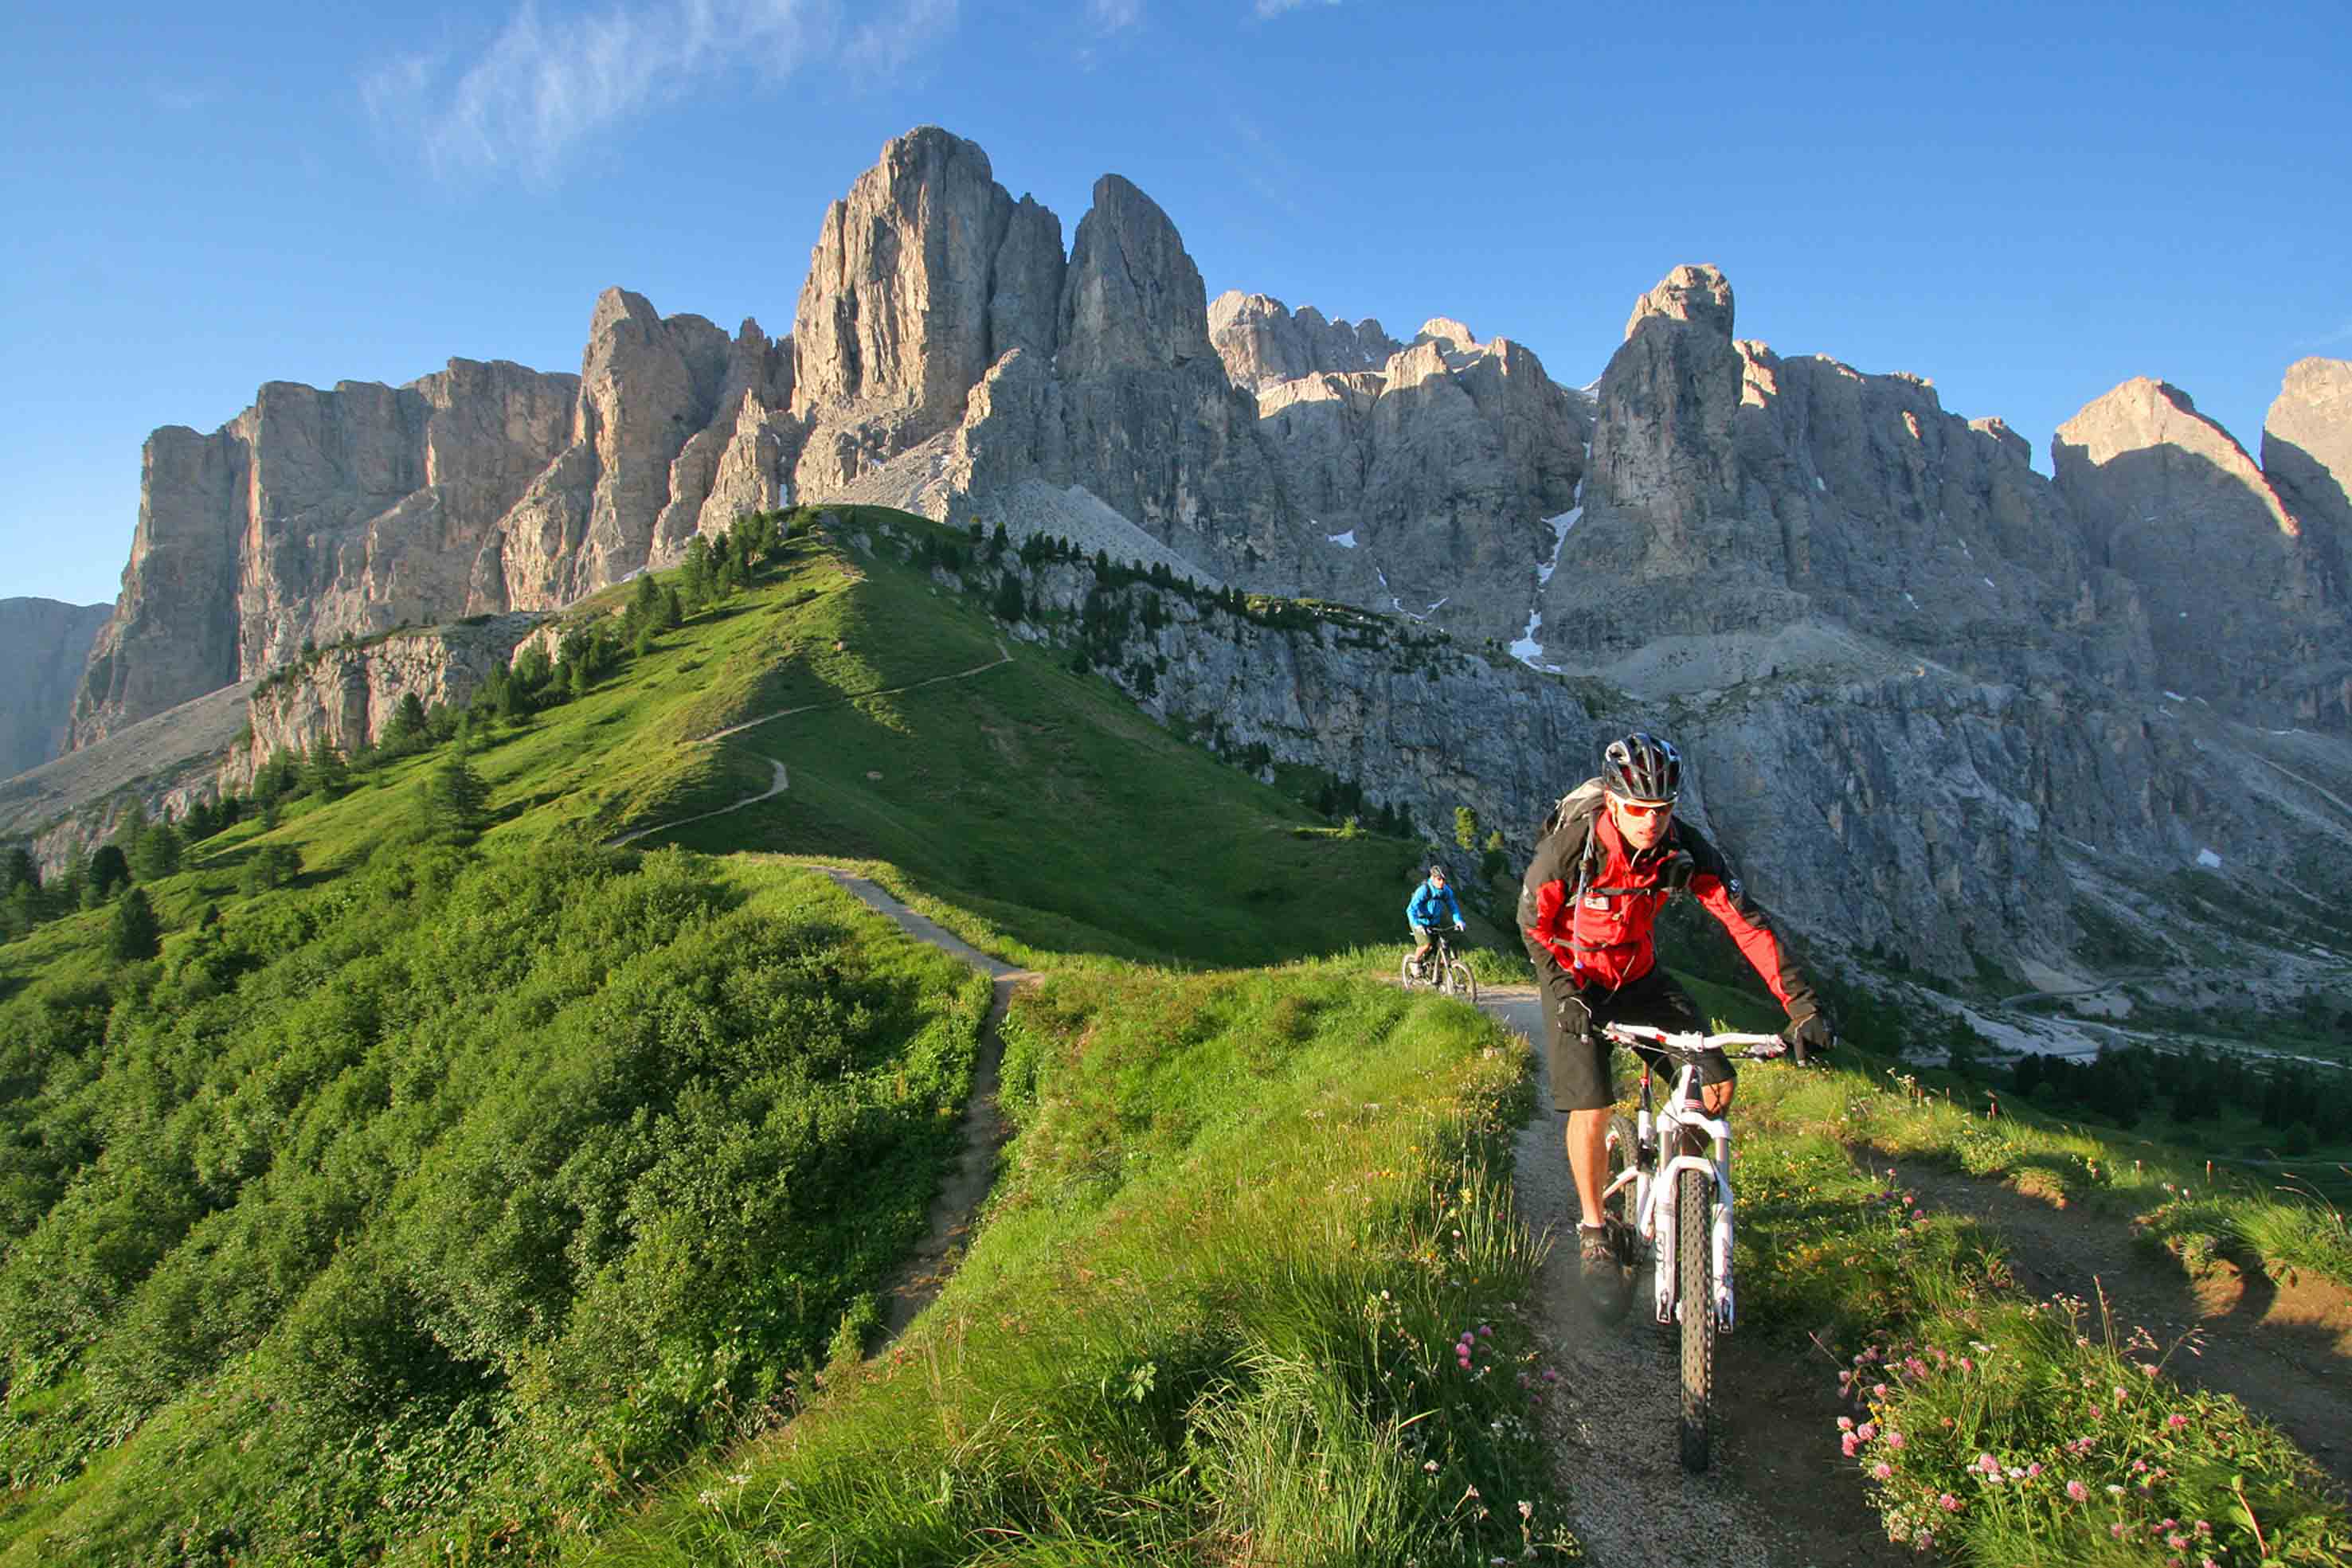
x,y
1433,905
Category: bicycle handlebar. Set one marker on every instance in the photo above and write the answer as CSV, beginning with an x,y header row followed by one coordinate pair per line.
x,y
1683,1047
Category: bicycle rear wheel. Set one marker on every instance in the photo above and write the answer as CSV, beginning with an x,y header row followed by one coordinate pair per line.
x,y
1460,981
1695,1283
1617,1207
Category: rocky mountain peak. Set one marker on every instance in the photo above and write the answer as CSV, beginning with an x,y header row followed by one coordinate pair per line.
x,y
1133,296
1699,295
1446,333
2307,446
1262,343
2242,608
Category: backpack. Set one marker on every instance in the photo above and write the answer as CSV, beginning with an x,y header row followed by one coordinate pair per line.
x,y
1584,800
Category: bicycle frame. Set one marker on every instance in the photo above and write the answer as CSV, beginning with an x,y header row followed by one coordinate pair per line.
x,y
1670,1126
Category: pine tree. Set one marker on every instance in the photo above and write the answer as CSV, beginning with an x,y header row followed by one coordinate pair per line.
x,y
158,855
133,935
1465,827
109,870
17,870
456,798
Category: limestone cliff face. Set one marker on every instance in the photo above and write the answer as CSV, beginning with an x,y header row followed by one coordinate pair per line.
x,y
44,643
312,515
2243,607
345,695
1906,805
666,405
1262,343
922,276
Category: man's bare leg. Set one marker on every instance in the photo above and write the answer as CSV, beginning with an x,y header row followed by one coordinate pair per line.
x,y
1587,1155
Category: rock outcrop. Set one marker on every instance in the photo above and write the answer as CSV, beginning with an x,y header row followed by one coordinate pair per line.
x,y
2242,608
666,405
924,276
310,517
46,642
345,695
1262,342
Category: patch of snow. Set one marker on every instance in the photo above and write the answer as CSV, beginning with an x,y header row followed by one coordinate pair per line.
x,y
1821,484
1909,600
1988,583
1381,575
2208,860
1432,608
1559,527
1345,541
1966,551
2176,696
2184,615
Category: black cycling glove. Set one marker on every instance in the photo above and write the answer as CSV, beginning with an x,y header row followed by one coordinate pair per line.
x,y
1811,1035
1575,1018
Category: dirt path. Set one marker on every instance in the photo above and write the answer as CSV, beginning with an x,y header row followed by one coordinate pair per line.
x,y
2283,1348
1777,1496
1001,658
984,1129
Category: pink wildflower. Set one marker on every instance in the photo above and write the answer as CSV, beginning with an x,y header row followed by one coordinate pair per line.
x,y
1987,1464
2176,1541
1894,1439
2119,1531
1918,1213
2034,1469
1845,1423
1846,1445
2175,1421
1882,1471
1878,1391
1966,1366
2077,1490
1949,1503
1866,1432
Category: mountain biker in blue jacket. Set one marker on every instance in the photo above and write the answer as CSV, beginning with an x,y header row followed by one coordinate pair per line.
x,y
1432,902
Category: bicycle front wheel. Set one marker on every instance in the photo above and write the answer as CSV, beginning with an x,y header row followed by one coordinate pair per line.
x,y
1404,970
1460,981
1695,1283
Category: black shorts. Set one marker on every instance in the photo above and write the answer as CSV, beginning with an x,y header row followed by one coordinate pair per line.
x,y
1579,1067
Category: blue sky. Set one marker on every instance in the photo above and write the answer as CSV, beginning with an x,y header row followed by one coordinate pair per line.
x,y
2027,204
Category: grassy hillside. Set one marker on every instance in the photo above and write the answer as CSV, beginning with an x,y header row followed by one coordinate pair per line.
x,y
452,1192
1248,1292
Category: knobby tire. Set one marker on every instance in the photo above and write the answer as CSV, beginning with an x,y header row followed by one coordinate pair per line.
x,y
1463,984
1695,1283
1617,1207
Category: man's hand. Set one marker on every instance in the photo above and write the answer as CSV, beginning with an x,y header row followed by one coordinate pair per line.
x,y
1575,1018
1459,926
1811,1035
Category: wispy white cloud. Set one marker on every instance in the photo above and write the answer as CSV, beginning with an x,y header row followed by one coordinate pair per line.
x,y
1113,15
554,76
1270,9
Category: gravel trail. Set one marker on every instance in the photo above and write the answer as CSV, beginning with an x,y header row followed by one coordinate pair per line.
x,y
1776,1495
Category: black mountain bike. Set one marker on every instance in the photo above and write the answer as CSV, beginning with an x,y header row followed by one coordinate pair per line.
x,y
1443,973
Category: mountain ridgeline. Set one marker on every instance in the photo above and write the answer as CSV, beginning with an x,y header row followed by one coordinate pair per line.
x,y
1939,703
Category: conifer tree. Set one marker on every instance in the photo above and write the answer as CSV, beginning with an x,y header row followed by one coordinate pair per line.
x,y
456,798
158,855
133,935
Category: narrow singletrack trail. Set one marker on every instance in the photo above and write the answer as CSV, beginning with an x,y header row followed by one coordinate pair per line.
x,y
2282,1348
984,1129
1776,1495
780,781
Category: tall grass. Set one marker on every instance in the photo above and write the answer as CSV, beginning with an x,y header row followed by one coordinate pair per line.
x,y
1992,1427
1246,1295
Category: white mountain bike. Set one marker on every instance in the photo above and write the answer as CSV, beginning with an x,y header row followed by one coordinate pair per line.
x,y
1668,1196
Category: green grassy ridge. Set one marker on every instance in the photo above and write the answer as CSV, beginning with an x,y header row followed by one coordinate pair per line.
x,y
1212,1315
586,1201
279,1041
1949,1369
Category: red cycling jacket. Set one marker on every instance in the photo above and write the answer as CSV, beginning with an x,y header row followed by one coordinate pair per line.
x,y
1591,904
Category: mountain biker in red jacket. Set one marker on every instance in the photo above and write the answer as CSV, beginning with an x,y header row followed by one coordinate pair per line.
x,y
1587,905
